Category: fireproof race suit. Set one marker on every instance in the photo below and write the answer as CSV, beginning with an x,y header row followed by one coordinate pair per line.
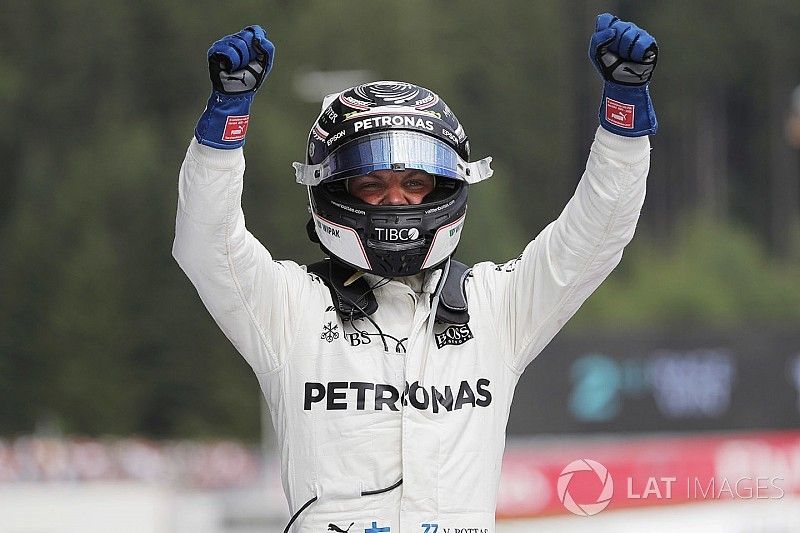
x,y
352,415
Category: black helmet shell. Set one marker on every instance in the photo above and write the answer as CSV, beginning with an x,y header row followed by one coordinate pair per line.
x,y
380,106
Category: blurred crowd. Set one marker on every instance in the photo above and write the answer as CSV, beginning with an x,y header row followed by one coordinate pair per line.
x,y
211,465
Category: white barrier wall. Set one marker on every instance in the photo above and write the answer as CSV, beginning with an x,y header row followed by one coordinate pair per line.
x,y
712,517
140,508
89,508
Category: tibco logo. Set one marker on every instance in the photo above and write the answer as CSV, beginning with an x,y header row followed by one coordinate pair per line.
x,y
603,499
395,234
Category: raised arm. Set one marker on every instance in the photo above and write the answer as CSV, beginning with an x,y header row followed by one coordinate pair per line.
x,y
246,292
534,295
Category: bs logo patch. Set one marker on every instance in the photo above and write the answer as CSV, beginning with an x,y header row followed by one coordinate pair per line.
x,y
453,336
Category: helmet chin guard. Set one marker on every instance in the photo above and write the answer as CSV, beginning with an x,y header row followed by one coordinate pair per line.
x,y
388,126
389,241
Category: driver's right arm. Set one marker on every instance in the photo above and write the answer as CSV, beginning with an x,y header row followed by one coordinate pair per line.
x,y
253,299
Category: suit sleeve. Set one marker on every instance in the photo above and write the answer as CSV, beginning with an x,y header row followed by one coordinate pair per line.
x,y
252,298
533,296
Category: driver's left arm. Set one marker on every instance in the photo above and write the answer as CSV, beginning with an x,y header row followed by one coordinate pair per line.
x,y
532,297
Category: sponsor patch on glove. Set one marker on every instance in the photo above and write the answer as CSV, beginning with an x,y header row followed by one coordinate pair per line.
x,y
235,128
619,114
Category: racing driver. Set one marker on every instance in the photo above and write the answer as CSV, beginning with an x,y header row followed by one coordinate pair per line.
x,y
389,367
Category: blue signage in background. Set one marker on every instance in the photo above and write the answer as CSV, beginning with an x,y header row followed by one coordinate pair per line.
x,y
595,394
674,382
691,384
599,383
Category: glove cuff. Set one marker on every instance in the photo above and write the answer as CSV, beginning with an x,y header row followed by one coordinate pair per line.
x,y
628,110
224,122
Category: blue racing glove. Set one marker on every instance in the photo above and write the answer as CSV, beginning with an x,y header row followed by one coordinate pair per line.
x,y
238,65
625,55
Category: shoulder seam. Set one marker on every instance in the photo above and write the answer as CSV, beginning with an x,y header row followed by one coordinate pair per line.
x,y
238,286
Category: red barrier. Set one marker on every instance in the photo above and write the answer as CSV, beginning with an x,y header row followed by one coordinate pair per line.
x,y
554,478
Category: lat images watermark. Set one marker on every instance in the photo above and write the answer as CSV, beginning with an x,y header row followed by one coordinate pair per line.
x,y
697,488
585,487
603,498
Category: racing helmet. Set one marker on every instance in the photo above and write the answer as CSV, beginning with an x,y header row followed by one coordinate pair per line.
x,y
388,125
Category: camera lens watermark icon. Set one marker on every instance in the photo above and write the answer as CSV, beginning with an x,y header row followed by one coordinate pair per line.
x,y
603,499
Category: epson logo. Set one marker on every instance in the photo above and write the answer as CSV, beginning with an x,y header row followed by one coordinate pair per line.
x,y
335,138
449,135
395,234
362,395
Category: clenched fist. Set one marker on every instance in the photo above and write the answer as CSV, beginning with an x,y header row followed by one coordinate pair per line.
x,y
622,52
238,64
625,55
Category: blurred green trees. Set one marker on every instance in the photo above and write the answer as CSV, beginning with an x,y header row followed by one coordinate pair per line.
x,y
100,331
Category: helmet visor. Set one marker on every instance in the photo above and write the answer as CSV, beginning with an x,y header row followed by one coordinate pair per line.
x,y
396,150
392,150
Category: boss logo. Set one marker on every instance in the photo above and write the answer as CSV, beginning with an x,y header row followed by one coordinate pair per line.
x,y
395,234
453,336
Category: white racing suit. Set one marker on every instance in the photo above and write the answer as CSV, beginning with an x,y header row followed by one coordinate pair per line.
x,y
351,416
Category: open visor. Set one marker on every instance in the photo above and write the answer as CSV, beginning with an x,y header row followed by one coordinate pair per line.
x,y
396,150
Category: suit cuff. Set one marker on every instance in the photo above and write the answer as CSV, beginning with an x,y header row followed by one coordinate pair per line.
x,y
627,150
216,158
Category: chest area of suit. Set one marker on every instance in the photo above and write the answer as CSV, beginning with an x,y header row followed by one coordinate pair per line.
x,y
394,361
402,328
